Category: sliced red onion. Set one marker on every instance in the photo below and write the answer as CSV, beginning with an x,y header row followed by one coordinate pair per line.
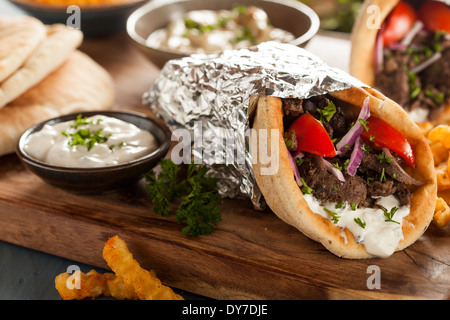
x,y
355,158
398,46
298,155
332,169
350,137
411,180
378,57
435,57
295,168
412,33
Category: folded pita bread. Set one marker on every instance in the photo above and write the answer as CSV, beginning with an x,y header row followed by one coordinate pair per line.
x,y
363,39
19,37
80,84
286,200
51,53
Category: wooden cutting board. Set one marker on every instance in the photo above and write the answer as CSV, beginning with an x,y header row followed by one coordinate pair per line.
x,y
250,255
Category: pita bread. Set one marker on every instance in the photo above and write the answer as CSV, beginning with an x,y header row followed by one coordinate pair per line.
x,y
363,39
285,198
47,57
19,37
80,84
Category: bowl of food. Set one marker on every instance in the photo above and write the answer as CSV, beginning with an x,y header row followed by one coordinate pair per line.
x,y
172,29
96,18
94,151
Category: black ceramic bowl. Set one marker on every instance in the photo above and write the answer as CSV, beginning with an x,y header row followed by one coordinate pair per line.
x,y
289,15
95,21
95,180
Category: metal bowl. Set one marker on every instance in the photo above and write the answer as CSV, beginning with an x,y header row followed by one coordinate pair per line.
x,y
96,21
97,180
290,15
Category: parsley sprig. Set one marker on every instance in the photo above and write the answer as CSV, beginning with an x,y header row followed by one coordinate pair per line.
x,y
199,206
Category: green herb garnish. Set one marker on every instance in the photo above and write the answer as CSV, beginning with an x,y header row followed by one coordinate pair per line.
x,y
288,142
413,88
364,123
334,215
366,148
246,34
339,205
305,188
85,137
361,223
382,157
328,112
298,161
199,206
390,214
383,176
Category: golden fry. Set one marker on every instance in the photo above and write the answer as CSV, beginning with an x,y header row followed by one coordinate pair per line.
x,y
441,213
121,261
440,152
425,127
92,285
440,133
443,177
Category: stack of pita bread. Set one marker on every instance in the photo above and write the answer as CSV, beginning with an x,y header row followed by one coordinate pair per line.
x,y
43,75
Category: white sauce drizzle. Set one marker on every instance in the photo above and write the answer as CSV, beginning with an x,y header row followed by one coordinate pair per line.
x,y
126,142
379,237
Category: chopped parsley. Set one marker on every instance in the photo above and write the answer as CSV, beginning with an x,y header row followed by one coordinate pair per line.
x,y
366,148
383,176
382,157
361,223
328,112
414,89
364,123
337,166
246,34
298,161
339,205
390,214
85,137
334,215
305,188
288,142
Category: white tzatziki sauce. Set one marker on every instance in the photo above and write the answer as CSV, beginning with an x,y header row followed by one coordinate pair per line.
x,y
97,141
380,237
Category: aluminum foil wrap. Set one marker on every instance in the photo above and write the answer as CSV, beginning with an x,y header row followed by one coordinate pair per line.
x,y
210,97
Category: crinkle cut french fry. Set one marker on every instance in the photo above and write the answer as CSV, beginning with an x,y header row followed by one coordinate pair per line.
x,y
440,133
441,213
146,286
92,285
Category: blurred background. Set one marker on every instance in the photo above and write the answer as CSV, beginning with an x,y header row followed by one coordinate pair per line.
x,y
335,15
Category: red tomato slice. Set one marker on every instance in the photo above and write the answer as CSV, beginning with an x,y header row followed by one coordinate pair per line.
x,y
399,22
312,136
383,135
435,16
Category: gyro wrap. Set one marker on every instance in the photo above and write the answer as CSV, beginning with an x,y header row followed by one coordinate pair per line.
x,y
212,93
